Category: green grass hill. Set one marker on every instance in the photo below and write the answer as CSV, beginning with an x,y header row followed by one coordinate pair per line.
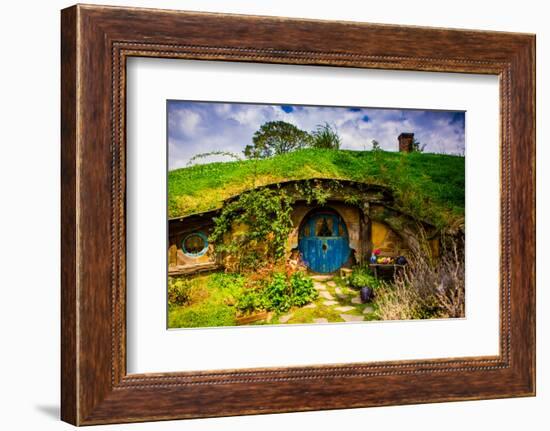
x,y
427,186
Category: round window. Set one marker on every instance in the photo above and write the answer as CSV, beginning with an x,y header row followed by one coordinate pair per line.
x,y
195,244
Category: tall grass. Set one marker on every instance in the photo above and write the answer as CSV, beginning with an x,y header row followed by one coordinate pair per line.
x,y
428,287
427,186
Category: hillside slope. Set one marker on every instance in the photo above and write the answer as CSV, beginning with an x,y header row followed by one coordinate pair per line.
x,y
427,186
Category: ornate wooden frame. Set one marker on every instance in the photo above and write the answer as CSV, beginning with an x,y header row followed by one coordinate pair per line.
x,y
95,42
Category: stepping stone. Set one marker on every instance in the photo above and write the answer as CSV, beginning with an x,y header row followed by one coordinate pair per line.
x,y
326,295
344,308
321,277
342,296
320,320
330,302
331,283
351,318
285,318
312,305
337,290
319,286
368,309
356,300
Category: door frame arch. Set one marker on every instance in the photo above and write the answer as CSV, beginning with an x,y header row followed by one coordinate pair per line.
x,y
319,210
313,213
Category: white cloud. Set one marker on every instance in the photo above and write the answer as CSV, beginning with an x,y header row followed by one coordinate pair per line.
x,y
199,127
186,121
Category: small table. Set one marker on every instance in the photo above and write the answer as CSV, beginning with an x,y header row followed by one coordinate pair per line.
x,y
375,266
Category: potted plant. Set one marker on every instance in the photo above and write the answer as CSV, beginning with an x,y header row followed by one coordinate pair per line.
x,y
367,294
362,280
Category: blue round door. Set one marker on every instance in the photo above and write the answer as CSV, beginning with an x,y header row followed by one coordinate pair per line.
x,y
323,242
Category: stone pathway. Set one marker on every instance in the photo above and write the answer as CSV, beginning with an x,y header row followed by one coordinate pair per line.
x,y
326,295
352,318
342,304
319,286
368,309
345,308
321,277
339,298
285,318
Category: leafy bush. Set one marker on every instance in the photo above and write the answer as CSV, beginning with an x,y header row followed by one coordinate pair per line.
x,y
207,300
282,292
229,286
302,288
361,277
251,300
278,293
325,137
179,291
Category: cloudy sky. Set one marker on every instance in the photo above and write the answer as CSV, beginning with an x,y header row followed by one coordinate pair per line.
x,y
201,127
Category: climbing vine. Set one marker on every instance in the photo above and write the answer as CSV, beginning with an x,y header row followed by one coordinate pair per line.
x,y
317,192
253,230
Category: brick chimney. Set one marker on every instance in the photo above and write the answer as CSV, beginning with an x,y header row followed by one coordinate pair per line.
x,y
405,142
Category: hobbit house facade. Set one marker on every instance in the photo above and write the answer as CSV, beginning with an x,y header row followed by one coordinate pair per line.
x,y
352,220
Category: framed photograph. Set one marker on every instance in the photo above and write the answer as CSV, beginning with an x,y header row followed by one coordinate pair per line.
x,y
263,214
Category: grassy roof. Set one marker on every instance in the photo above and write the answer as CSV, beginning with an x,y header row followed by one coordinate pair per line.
x,y
427,186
